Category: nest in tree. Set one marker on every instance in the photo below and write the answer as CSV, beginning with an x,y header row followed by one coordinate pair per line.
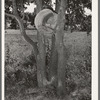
x,y
46,21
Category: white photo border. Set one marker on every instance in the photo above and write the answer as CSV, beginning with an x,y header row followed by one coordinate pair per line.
x,y
94,85
94,50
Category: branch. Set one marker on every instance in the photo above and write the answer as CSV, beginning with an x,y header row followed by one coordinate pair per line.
x,y
23,33
22,9
14,7
10,15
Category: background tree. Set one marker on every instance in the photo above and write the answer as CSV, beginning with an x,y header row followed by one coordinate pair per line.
x,y
76,12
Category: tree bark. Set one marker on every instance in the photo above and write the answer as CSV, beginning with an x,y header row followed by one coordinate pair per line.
x,y
53,65
57,6
14,8
61,89
41,58
39,5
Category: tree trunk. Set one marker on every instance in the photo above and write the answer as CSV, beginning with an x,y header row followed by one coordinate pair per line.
x,y
34,44
53,65
61,89
41,58
57,54
57,6
39,5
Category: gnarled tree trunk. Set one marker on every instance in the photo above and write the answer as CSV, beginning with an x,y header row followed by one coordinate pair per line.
x,y
57,61
38,50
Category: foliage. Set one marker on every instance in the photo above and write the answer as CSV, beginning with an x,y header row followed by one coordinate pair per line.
x,y
31,18
13,24
75,12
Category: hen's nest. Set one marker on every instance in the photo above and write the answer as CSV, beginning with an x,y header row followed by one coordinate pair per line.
x,y
46,21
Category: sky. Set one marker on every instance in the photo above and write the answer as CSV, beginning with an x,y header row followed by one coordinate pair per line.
x,y
30,8
88,11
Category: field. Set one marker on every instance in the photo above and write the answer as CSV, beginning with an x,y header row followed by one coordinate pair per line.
x,y
19,61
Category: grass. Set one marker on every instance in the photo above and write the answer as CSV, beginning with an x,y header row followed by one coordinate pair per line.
x,y
19,61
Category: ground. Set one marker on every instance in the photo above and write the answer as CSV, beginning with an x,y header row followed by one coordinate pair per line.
x,y
20,62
